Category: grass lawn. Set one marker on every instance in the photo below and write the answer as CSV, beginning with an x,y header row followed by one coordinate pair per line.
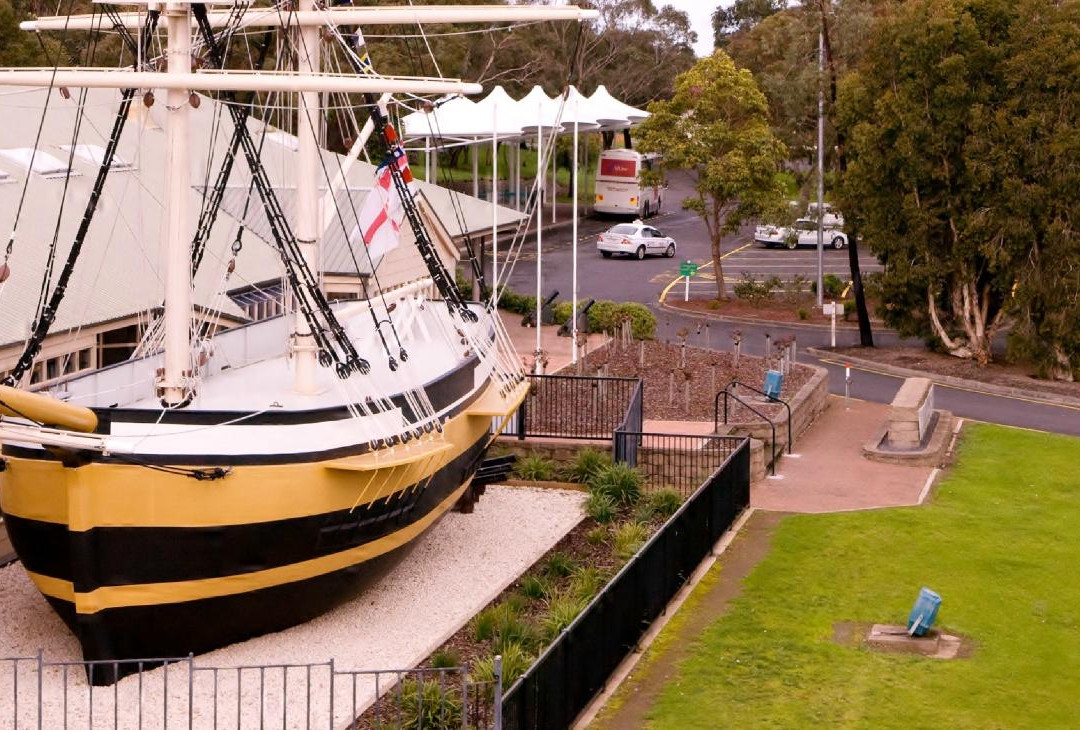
x,y
1000,542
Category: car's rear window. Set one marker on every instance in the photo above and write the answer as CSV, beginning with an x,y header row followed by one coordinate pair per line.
x,y
624,229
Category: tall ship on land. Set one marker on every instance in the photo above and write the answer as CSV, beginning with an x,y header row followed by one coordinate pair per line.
x,y
227,482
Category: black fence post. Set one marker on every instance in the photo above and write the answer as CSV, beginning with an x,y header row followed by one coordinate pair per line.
x,y
521,419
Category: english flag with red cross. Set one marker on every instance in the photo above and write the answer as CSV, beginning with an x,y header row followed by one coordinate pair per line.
x,y
379,223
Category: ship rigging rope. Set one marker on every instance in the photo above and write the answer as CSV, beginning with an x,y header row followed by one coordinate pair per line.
x,y
304,285
47,316
402,353
41,125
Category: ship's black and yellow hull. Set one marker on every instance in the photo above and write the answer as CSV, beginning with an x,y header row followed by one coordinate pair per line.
x,y
144,563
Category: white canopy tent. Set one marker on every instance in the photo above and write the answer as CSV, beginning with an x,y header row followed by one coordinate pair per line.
x,y
498,117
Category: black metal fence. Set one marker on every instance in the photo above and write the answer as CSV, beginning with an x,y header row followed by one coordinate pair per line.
x,y
578,407
570,672
673,461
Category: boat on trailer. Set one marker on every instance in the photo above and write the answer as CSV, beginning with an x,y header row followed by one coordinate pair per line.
x,y
222,485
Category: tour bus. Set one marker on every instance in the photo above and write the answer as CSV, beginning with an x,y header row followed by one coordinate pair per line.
x,y
618,184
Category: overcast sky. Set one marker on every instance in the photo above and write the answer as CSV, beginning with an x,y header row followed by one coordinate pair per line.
x,y
700,12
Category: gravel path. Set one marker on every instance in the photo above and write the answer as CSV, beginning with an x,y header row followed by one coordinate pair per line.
x,y
451,573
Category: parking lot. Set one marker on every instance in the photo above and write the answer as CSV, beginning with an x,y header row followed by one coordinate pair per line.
x,y
628,279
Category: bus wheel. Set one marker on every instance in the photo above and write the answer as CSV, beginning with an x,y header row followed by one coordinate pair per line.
x,y
606,254
640,253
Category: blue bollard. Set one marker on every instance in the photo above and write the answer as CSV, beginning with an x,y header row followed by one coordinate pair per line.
x,y
923,613
774,382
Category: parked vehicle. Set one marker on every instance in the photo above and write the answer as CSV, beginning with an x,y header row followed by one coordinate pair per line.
x,y
832,219
634,239
618,184
803,233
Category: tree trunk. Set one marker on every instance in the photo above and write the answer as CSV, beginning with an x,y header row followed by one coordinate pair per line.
x,y
866,335
718,268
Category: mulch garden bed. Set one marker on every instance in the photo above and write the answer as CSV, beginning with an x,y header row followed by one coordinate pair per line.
x,y
667,372
918,358
467,650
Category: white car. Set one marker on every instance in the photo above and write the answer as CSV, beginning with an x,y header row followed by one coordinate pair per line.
x,y
803,233
635,239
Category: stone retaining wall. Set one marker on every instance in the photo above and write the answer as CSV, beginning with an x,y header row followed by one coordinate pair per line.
x,y
806,406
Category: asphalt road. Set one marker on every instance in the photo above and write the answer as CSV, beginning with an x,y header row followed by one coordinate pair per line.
x,y
642,281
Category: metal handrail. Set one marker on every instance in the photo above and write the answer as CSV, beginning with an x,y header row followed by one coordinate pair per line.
x,y
716,412
773,399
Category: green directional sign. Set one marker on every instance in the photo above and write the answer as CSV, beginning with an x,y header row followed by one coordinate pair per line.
x,y
687,268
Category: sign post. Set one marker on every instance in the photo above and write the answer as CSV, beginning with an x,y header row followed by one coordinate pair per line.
x,y
686,270
832,309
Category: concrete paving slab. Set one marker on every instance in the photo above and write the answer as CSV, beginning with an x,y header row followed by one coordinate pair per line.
x,y
832,475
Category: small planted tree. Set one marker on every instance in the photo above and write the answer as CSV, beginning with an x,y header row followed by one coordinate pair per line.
x,y
716,128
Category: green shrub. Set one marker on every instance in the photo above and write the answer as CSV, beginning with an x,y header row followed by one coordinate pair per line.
x,y
665,502
561,611
486,623
601,316
464,284
445,659
714,304
834,286
644,512
748,288
536,468
599,534
600,507
516,660
618,481
428,704
511,301
588,462
629,538
803,313
562,312
536,587
515,630
559,565
586,582
642,320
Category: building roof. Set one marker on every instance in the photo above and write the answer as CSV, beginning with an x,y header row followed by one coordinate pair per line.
x,y
120,269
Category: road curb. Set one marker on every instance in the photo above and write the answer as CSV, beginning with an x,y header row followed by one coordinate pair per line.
x,y
947,380
752,321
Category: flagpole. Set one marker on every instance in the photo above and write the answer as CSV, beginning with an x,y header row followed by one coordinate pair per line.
x,y
539,235
574,234
494,196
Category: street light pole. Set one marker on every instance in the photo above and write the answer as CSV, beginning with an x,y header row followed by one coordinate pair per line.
x,y
821,172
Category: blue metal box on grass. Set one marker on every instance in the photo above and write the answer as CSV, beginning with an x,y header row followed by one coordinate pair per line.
x,y
924,612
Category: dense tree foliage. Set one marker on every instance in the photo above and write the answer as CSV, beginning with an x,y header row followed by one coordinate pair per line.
x,y
965,127
635,49
716,128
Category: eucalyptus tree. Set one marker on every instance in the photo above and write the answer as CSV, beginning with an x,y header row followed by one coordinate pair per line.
x,y
716,128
